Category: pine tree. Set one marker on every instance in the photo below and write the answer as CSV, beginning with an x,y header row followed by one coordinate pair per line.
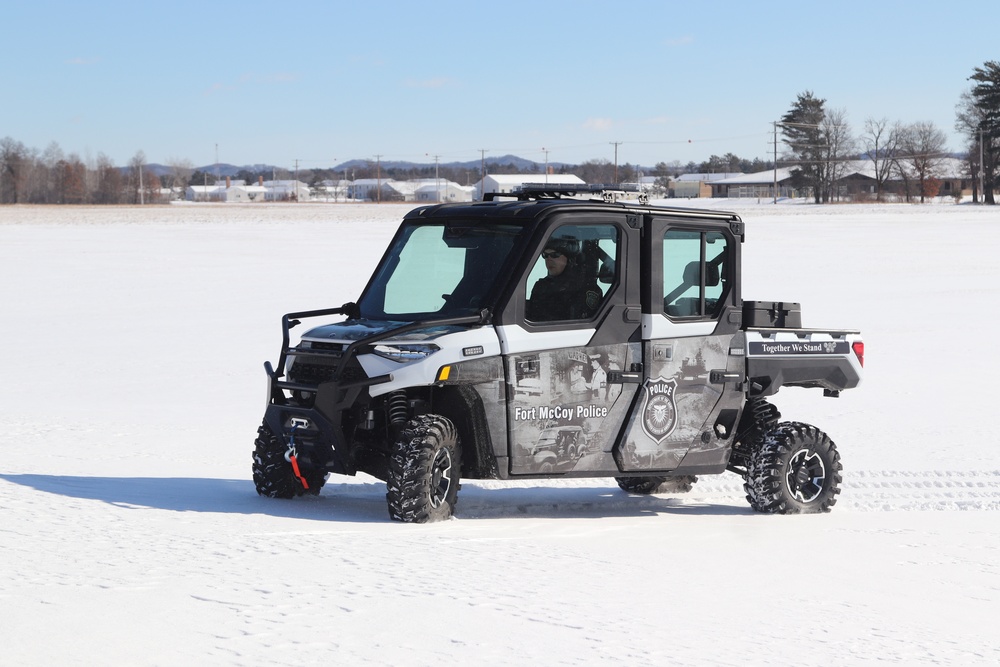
x,y
986,97
803,135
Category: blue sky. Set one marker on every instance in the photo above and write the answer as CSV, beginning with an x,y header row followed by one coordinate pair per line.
x,y
324,82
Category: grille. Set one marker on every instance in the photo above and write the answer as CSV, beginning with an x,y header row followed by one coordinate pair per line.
x,y
317,345
309,372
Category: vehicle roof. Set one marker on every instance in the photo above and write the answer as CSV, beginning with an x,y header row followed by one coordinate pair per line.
x,y
532,209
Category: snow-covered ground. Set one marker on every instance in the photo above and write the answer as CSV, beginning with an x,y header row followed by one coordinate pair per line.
x,y
131,387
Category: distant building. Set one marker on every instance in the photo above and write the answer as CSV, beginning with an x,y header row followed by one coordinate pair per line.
x,y
233,190
692,186
507,183
422,190
440,190
367,189
285,191
855,181
224,191
758,185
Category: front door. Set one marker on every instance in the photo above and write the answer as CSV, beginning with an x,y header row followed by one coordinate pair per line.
x,y
692,348
570,334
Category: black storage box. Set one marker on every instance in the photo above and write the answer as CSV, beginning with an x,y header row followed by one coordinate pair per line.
x,y
779,314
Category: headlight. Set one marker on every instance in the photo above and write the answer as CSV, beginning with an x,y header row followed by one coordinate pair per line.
x,y
403,353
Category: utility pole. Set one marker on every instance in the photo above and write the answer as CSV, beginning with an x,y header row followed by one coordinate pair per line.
x,y
482,169
774,190
545,150
615,144
981,191
437,180
378,172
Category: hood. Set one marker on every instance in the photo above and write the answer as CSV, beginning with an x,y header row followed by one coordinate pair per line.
x,y
352,330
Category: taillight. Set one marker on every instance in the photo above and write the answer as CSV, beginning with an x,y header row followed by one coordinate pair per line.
x,y
859,350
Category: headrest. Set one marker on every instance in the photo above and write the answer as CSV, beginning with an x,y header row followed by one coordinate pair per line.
x,y
692,274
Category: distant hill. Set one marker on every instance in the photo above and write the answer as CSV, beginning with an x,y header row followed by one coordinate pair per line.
x,y
505,160
224,169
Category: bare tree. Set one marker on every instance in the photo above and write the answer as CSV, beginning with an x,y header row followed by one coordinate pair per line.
x,y
109,182
70,177
924,147
13,168
597,171
662,173
881,143
180,170
840,145
50,172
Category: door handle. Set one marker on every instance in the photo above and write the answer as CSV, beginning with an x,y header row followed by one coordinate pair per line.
x,y
722,377
621,377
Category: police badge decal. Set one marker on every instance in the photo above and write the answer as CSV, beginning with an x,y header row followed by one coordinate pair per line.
x,y
659,411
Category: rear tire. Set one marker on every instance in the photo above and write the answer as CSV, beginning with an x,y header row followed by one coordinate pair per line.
x,y
424,471
794,468
273,475
649,485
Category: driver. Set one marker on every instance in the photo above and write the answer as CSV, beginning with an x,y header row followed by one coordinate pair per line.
x,y
564,293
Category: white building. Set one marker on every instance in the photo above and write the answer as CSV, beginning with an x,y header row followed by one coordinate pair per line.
x,y
330,190
440,190
285,191
424,190
223,191
364,189
507,183
698,185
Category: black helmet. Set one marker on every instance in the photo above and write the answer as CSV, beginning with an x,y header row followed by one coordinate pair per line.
x,y
567,245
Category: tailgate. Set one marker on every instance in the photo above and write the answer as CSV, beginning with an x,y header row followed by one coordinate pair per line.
x,y
829,360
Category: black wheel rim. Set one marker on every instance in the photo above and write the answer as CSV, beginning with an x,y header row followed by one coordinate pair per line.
x,y
806,475
440,477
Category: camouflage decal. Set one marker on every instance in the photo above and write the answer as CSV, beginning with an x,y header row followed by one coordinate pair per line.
x,y
563,413
659,409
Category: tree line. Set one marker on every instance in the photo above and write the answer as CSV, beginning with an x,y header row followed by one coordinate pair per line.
x,y
30,176
817,141
50,177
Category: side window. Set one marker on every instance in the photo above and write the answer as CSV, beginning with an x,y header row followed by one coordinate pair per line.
x,y
694,273
575,272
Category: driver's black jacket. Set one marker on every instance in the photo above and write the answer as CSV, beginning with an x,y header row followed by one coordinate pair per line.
x,y
564,297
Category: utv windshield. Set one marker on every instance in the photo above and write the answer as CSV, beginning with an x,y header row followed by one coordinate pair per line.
x,y
439,270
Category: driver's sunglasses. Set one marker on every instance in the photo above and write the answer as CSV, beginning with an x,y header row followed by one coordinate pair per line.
x,y
551,254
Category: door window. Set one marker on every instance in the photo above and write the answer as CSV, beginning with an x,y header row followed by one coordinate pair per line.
x,y
573,275
694,273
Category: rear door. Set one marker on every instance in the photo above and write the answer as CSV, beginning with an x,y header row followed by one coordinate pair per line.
x,y
693,348
565,348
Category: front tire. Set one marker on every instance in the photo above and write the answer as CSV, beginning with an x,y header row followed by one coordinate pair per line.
x,y
273,474
794,468
424,471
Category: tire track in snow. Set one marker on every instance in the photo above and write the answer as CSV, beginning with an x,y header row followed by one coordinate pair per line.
x,y
909,490
861,491
888,490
